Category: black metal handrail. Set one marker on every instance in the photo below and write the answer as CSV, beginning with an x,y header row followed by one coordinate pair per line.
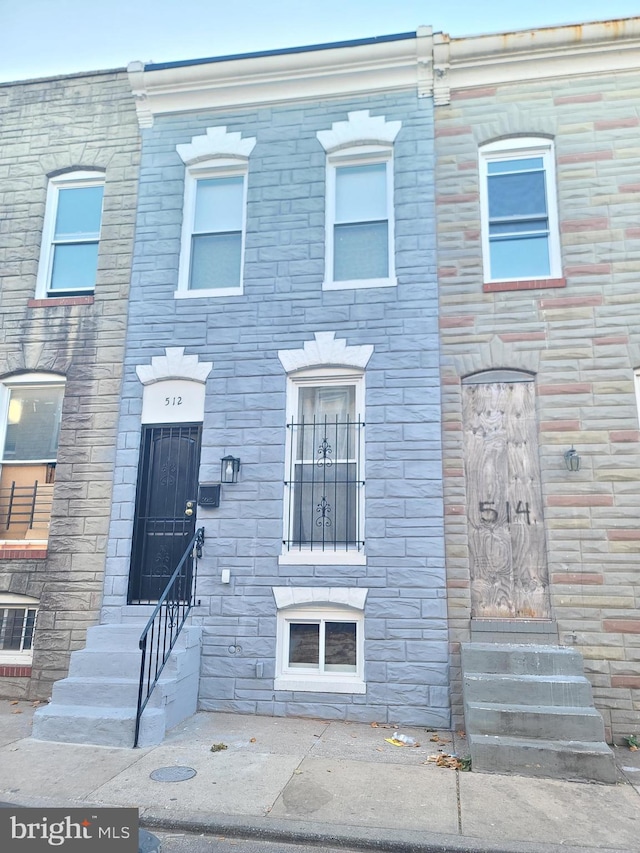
x,y
165,623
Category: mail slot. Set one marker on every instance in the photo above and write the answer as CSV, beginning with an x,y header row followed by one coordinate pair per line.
x,y
209,495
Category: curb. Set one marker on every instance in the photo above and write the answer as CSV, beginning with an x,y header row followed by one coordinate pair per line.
x,y
363,838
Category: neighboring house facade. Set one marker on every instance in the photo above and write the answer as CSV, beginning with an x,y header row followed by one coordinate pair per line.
x,y
539,257
68,178
283,314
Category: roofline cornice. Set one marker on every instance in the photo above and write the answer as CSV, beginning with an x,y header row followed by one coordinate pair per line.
x,y
603,47
343,70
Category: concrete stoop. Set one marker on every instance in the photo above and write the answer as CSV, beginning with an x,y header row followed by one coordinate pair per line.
x,y
96,703
529,710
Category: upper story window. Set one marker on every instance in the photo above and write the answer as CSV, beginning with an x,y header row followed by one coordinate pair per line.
x,y
520,233
71,235
214,216
31,410
213,235
359,204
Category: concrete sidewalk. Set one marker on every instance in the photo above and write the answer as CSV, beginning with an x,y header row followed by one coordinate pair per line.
x,y
312,780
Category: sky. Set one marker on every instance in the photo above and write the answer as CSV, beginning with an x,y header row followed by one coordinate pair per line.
x,y
40,38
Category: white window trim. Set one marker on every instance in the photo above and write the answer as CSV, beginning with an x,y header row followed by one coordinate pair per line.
x,y
18,602
313,681
362,155
511,149
222,167
301,556
68,180
6,385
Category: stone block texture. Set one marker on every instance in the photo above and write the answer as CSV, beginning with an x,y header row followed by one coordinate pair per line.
x,y
283,305
582,342
48,127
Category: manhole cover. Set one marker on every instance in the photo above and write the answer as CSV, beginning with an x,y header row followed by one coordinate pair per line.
x,y
172,774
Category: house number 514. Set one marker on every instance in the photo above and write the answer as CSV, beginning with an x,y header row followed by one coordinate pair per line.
x,y
489,514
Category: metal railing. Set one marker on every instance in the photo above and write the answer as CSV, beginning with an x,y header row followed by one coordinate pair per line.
x,y
324,485
165,623
26,505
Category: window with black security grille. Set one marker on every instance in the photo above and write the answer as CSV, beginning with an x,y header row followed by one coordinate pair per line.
x,y
16,628
324,480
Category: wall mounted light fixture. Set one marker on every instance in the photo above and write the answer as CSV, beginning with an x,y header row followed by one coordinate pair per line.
x,y
229,468
572,460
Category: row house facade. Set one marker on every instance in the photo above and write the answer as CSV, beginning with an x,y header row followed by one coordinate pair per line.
x,y
539,259
69,151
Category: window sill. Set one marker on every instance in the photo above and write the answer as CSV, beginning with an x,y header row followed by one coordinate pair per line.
x,y
360,283
19,550
319,684
209,293
523,284
15,670
323,558
51,301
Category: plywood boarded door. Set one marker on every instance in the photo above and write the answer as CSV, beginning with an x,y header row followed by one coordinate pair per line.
x,y
507,550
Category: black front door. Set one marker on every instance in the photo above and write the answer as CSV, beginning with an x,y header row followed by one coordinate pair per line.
x,y
165,517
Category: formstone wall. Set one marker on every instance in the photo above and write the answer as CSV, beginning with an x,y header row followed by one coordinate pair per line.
x,y
50,126
283,305
582,342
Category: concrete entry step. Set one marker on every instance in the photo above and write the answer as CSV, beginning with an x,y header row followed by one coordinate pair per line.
x,y
529,710
587,761
98,725
97,702
522,659
548,722
560,690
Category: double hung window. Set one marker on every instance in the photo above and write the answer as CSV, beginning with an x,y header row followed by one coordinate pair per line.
x,y
361,226
71,235
324,479
29,432
17,624
519,212
212,252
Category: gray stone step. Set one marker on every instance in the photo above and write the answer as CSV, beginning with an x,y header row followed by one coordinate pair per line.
x,y
535,721
592,761
109,692
97,725
114,636
521,659
572,691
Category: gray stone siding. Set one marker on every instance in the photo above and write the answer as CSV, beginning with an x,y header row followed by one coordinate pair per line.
x,y
583,343
283,305
48,126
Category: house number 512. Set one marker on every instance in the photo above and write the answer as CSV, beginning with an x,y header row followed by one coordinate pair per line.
x,y
489,515
173,401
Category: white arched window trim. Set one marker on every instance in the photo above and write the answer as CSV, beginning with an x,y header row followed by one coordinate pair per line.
x,y
326,664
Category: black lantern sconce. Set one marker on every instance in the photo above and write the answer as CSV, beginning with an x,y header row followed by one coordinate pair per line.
x,y
229,468
572,460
